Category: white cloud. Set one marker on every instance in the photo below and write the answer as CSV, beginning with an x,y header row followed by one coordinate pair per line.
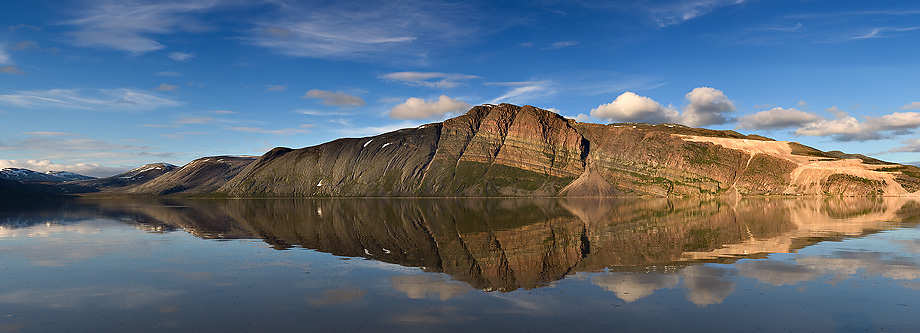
x,y
911,106
417,108
89,99
776,118
337,98
676,12
631,287
167,87
873,128
428,286
708,106
429,79
181,56
271,87
131,25
634,108
88,169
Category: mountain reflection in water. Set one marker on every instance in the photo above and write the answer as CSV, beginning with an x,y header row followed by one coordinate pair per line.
x,y
510,244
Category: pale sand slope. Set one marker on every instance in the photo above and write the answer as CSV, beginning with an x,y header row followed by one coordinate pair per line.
x,y
811,218
811,171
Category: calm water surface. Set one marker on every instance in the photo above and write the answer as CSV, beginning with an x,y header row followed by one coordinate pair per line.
x,y
824,264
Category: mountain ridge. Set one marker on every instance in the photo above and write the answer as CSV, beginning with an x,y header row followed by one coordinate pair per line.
x,y
522,151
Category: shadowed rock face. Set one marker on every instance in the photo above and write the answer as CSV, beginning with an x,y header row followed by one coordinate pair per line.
x,y
508,244
507,150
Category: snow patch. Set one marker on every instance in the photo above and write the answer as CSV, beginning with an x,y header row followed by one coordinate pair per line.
x,y
386,144
320,182
368,142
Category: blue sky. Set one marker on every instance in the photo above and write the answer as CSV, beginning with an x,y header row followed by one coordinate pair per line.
x,y
98,87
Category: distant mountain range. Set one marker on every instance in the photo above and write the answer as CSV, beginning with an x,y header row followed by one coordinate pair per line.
x,y
508,150
18,174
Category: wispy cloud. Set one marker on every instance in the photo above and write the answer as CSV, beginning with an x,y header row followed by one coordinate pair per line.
x,y
22,26
11,70
89,99
322,113
50,133
676,12
167,87
559,45
181,56
429,79
24,45
132,25
4,56
80,152
336,98
171,74
356,29
374,130
881,32
271,87
302,129
911,106
523,92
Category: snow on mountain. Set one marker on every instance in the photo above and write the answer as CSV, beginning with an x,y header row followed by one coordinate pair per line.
x,y
26,175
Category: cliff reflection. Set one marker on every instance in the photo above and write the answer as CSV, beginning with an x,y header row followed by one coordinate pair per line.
x,y
509,244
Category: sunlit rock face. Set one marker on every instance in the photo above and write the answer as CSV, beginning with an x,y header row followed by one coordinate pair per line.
x,y
510,244
508,150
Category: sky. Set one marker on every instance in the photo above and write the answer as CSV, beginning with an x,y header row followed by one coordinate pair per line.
x,y
99,87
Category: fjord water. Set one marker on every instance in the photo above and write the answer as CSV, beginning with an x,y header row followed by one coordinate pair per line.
x,y
817,264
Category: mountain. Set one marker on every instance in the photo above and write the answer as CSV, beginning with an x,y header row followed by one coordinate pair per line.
x,y
127,179
26,175
204,175
69,176
508,150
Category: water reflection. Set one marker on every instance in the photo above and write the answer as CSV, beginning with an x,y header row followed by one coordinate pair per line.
x,y
547,264
509,244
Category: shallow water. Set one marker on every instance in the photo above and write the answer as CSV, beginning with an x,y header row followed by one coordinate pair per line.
x,y
776,264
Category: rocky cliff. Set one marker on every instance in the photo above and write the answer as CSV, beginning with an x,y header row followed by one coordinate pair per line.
x,y
507,150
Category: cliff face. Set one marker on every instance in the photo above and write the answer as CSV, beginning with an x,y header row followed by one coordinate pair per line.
x,y
507,150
